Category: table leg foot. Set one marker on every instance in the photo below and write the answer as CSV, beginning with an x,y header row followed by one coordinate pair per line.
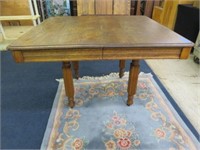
x,y
130,100
121,68
71,103
132,82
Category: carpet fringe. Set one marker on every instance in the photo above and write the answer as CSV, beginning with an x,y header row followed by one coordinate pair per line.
x,y
112,75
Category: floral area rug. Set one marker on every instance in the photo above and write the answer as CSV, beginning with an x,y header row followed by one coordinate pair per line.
x,y
102,120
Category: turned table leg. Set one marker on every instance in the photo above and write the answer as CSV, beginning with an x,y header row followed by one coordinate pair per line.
x,y
76,69
121,68
68,82
133,78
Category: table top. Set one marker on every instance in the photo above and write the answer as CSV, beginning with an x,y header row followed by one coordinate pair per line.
x,y
99,32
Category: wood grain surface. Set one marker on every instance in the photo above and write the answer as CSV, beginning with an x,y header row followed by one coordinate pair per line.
x,y
99,32
99,37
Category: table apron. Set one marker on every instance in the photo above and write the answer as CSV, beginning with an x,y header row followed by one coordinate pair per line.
x,y
141,53
100,54
57,55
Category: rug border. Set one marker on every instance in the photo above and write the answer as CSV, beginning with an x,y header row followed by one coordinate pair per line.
x,y
51,117
174,111
175,106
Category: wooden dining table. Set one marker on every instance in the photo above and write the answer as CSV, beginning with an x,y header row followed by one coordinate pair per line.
x,y
70,38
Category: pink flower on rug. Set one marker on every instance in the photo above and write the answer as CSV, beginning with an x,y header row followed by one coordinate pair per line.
x,y
122,133
142,85
109,125
114,118
110,145
160,133
136,142
77,144
118,121
124,143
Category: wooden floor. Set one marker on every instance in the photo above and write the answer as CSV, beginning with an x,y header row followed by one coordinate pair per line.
x,y
181,79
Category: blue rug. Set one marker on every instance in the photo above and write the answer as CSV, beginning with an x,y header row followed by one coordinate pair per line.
x,y
102,120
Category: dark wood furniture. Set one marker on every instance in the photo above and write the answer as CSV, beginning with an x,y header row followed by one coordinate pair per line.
x,y
69,39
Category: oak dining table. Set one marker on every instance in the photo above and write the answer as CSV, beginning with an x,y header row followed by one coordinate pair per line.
x,y
87,38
